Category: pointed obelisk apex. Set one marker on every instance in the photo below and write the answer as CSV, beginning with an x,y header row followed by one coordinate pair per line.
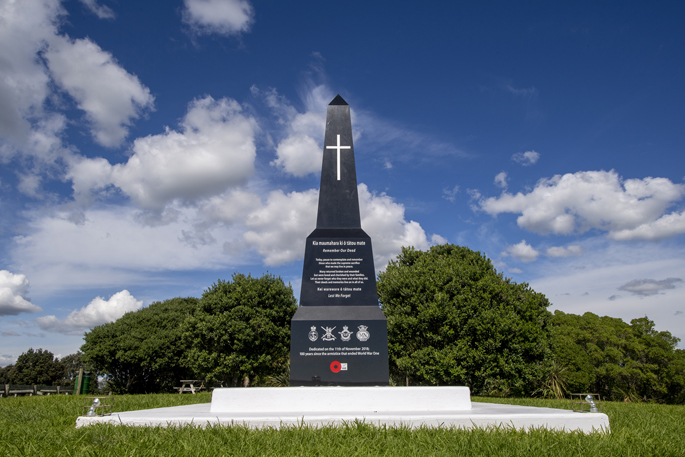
x,y
338,100
338,199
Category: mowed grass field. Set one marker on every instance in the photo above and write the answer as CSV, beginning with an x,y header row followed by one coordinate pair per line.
x,y
45,426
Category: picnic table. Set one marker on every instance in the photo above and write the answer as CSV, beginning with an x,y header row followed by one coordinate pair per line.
x,y
47,390
190,385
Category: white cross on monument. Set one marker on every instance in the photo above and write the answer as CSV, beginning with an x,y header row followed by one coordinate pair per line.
x,y
338,147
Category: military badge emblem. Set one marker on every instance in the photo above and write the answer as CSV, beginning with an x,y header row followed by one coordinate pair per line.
x,y
345,335
363,333
329,334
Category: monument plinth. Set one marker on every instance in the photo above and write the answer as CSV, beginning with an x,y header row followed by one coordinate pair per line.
x,y
339,335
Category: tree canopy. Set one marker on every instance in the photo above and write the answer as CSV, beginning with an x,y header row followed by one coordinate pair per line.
x,y
38,367
452,319
72,363
141,351
241,329
619,361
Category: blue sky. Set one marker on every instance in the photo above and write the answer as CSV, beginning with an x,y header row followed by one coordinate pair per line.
x,y
148,149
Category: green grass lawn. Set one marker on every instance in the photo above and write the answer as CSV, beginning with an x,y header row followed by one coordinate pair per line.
x,y
38,426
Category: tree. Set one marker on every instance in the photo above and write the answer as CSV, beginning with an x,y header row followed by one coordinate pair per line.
x,y
36,368
619,361
452,319
72,364
141,351
5,377
676,377
241,329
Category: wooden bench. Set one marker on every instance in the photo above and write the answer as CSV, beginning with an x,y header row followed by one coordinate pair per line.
x,y
18,389
47,390
7,390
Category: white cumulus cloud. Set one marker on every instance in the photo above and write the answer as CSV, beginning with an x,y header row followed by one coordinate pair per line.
x,y
230,208
37,63
501,180
666,226
437,239
214,151
526,158
110,96
30,185
13,294
298,155
99,311
223,17
522,251
300,150
111,248
27,26
383,220
578,202
278,229
114,245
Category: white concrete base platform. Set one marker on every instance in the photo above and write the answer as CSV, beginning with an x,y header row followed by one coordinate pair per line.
x,y
412,407
339,399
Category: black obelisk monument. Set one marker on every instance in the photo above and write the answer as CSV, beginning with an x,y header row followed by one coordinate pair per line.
x,y
339,335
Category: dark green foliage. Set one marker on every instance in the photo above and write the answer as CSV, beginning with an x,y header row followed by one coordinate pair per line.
x,y
5,374
452,319
35,367
141,351
618,360
676,377
242,328
41,368
72,363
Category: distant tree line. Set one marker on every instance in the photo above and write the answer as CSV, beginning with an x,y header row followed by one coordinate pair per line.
x,y
41,367
627,362
452,320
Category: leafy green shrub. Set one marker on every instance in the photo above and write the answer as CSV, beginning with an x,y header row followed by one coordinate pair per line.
x,y
452,319
241,330
141,351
